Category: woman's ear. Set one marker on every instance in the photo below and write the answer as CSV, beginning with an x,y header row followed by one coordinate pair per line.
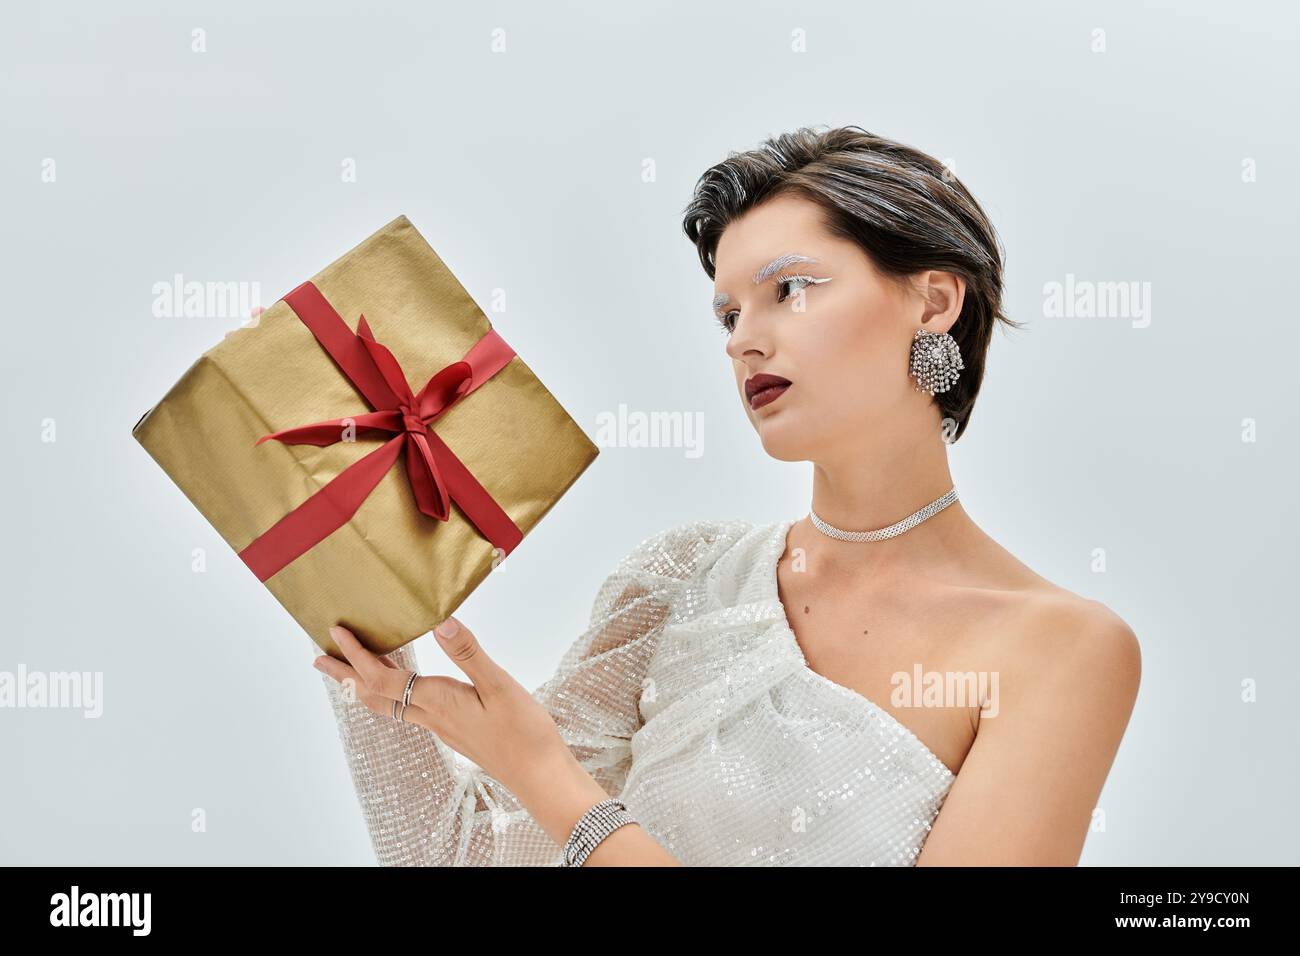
x,y
942,294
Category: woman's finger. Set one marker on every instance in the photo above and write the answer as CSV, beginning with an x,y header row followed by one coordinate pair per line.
x,y
340,671
436,700
354,687
441,698
372,699
377,673
463,648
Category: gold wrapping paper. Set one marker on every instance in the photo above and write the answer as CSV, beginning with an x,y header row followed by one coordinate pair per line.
x,y
391,573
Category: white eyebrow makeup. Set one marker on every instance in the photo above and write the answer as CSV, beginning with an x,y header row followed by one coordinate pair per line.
x,y
773,267
779,263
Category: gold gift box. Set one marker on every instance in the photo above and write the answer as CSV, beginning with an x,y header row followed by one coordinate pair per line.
x,y
391,573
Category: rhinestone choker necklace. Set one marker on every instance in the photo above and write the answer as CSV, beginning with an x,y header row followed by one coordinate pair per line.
x,y
911,521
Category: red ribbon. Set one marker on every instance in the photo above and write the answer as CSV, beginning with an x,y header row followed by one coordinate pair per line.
x,y
436,475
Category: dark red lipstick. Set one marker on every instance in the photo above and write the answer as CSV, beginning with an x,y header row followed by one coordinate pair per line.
x,y
762,389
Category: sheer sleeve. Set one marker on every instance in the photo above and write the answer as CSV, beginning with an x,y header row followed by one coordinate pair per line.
x,y
425,805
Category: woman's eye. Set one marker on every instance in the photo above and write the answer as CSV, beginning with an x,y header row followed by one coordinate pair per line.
x,y
728,320
802,282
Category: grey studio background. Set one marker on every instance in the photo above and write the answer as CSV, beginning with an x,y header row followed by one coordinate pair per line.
x,y
1121,142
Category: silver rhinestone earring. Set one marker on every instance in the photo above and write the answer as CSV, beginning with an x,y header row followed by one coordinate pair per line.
x,y
936,360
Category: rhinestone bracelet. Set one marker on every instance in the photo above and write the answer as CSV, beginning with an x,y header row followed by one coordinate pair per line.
x,y
592,827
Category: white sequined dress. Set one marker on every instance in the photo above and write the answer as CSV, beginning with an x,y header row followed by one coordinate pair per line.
x,y
688,698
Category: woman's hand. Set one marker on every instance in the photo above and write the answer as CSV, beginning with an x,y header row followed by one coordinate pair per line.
x,y
497,724
493,721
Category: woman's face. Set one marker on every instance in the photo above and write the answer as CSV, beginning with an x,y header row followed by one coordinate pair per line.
x,y
844,344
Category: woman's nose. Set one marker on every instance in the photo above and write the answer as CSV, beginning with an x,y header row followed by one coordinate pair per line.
x,y
746,337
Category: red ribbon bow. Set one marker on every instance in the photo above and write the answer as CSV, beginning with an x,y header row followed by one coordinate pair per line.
x,y
437,476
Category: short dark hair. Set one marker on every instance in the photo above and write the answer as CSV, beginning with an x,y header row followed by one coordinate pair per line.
x,y
902,206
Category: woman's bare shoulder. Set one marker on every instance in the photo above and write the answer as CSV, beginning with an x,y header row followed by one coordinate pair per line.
x,y
1044,624
1076,651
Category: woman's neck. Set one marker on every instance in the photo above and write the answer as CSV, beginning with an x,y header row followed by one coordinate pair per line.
x,y
869,490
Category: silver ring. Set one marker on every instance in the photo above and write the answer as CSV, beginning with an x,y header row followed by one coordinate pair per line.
x,y
410,685
399,706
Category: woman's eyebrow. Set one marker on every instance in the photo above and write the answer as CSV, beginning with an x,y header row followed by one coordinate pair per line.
x,y
773,267
779,263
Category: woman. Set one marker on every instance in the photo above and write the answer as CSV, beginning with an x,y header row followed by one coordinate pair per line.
x,y
753,694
